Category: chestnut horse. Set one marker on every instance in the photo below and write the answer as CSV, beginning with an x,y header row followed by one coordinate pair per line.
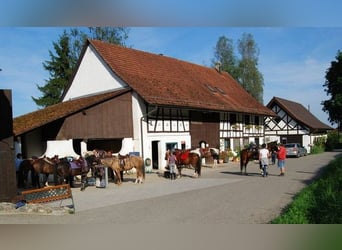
x,y
62,169
125,163
246,155
189,158
46,166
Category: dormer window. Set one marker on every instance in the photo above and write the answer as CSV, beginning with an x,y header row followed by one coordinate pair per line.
x,y
211,88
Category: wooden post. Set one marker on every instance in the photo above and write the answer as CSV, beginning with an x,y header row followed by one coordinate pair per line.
x,y
8,185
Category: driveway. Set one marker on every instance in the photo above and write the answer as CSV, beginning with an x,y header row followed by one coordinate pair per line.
x,y
220,196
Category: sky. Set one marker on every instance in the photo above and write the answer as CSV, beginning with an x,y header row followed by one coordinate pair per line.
x,y
297,40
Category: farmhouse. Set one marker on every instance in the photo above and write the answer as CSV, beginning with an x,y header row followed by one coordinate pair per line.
x,y
293,124
127,100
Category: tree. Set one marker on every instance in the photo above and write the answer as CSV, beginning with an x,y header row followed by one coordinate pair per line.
x,y
244,70
68,50
333,88
249,76
78,36
224,54
60,71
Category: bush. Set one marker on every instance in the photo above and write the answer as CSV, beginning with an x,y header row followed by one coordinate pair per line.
x,y
333,140
317,149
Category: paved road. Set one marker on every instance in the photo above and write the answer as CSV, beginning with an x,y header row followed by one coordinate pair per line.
x,y
220,196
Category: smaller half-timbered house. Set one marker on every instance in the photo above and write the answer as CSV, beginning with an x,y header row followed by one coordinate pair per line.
x,y
293,123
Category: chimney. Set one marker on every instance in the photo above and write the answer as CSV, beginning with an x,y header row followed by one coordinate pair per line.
x,y
218,66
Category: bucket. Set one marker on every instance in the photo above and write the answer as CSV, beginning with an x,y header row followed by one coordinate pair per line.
x,y
100,183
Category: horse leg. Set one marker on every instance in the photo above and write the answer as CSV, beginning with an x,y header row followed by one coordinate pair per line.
x,y
118,176
46,180
179,168
243,167
139,178
84,182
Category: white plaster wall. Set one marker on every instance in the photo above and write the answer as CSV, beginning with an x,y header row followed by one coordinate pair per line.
x,y
93,76
62,148
164,138
137,112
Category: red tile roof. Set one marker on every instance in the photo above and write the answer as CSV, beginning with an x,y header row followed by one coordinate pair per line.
x,y
163,80
41,117
159,80
298,112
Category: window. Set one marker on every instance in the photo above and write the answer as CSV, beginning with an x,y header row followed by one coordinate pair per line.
x,y
247,120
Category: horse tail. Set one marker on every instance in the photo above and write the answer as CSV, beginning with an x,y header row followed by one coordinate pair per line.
x,y
242,159
143,170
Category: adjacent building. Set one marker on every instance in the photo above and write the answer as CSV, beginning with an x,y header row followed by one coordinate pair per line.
x,y
293,124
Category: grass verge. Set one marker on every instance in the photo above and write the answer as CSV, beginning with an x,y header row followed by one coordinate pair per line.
x,y
318,203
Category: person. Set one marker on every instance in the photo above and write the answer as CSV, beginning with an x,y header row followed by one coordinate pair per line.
x,y
172,165
264,154
273,155
281,155
18,161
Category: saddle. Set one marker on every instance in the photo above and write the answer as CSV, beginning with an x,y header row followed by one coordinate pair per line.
x,y
122,160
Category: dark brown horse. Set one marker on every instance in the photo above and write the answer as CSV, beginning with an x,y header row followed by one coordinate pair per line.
x,y
190,159
246,155
125,163
25,168
82,166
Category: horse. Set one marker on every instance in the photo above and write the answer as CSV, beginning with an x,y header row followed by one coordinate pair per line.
x,y
246,155
81,167
190,158
46,166
118,164
25,168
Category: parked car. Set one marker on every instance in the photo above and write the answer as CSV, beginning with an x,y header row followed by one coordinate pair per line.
x,y
295,149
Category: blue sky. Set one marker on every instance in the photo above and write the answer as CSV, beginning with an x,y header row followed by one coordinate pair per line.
x,y
293,60
297,39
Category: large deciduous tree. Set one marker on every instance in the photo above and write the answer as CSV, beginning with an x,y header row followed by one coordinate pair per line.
x,y
224,55
249,76
333,88
243,69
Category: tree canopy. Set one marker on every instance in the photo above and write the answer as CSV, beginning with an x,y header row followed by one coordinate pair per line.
x,y
243,69
333,88
60,71
66,54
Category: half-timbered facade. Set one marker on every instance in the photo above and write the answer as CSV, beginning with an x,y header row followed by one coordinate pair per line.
x,y
121,98
293,124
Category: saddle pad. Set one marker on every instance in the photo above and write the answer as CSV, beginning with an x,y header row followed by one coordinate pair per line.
x,y
184,155
74,165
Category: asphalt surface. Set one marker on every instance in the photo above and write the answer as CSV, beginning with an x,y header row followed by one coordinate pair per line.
x,y
220,196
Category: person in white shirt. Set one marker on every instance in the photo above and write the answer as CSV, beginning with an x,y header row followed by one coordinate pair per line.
x,y
264,154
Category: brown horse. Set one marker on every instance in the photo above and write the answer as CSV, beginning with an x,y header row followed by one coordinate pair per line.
x,y
46,166
25,168
124,164
81,167
247,155
189,158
